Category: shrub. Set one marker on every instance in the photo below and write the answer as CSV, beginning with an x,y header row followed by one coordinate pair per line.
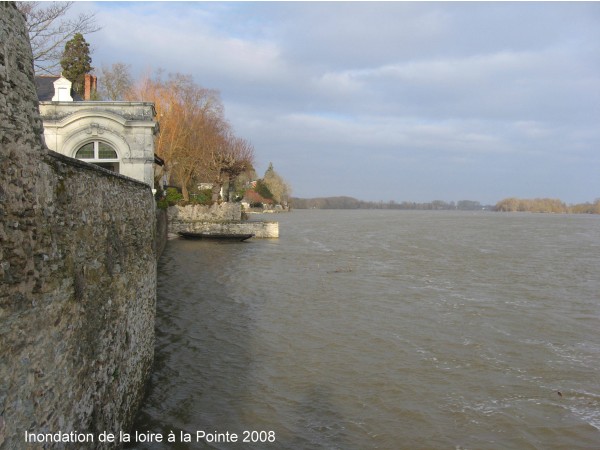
x,y
173,196
263,190
203,197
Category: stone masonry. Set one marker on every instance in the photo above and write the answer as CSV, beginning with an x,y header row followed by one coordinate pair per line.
x,y
224,218
77,275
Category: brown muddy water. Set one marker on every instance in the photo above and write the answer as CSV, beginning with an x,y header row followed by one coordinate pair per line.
x,y
383,329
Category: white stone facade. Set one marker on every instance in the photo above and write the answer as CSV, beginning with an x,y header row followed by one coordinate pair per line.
x,y
62,90
128,128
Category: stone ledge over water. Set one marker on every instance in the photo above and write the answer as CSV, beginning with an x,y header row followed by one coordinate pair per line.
x,y
224,218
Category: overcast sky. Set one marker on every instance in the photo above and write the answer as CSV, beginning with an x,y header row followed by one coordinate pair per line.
x,y
393,100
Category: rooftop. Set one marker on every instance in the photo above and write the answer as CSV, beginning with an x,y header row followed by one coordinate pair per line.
x,y
45,88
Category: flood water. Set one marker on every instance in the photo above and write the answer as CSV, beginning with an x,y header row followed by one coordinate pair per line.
x,y
383,329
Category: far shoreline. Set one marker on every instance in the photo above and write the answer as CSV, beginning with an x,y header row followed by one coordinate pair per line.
x,y
512,204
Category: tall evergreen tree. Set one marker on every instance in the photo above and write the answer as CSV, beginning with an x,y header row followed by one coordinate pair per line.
x,y
76,61
278,187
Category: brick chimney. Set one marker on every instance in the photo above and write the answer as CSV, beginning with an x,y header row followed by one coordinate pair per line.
x,y
89,86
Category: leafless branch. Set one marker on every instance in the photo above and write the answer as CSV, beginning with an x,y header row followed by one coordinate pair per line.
x,y
50,27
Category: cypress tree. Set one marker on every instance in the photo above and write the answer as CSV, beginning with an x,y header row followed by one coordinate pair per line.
x,y
76,61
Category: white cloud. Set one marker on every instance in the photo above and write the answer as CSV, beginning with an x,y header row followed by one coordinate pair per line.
x,y
186,43
459,89
341,83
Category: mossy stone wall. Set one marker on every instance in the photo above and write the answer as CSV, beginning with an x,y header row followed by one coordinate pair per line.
x,y
77,274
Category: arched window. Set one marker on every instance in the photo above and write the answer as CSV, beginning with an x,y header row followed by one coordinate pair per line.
x,y
99,153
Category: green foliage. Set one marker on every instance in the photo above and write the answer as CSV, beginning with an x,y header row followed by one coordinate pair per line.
x,y
76,61
239,194
255,199
169,198
203,197
173,196
277,186
263,190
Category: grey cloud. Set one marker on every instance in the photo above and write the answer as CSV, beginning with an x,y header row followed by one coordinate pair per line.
x,y
421,99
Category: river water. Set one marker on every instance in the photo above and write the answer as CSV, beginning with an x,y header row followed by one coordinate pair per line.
x,y
383,329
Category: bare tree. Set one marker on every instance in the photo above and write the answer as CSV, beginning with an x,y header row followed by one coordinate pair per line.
x,y
50,28
170,112
115,81
232,158
195,140
202,127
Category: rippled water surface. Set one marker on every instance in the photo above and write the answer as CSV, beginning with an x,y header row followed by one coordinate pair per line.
x,y
384,329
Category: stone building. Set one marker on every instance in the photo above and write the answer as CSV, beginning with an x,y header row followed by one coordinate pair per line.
x,y
115,135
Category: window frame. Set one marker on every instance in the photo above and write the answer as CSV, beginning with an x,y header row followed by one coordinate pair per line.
x,y
96,158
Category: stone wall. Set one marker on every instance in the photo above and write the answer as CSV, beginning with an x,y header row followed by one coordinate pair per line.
x,y
77,271
218,219
258,229
162,231
224,212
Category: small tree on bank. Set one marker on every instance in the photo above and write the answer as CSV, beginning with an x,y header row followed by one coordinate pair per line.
x,y
263,190
278,187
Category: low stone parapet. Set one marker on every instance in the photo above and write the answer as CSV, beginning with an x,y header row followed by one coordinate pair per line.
x,y
218,219
223,212
259,229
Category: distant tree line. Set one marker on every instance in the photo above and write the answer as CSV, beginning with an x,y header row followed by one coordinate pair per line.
x,y
546,205
540,205
352,203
